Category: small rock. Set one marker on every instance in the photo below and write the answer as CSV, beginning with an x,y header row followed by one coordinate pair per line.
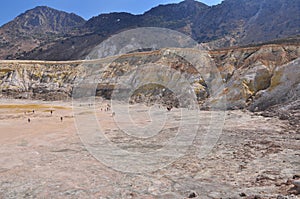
x,y
296,177
288,182
192,195
254,197
283,117
281,197
242,194
296,189
278,184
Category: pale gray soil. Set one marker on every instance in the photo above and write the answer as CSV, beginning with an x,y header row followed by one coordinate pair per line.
x,y
255,157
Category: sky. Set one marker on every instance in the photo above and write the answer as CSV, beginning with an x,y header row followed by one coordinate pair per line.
x,y
9,9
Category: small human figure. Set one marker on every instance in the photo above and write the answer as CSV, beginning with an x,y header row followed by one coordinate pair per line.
x,y
32,111
61,119
51,112
28,120
169,108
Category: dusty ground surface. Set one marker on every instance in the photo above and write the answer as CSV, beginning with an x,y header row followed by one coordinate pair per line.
x,y
254,157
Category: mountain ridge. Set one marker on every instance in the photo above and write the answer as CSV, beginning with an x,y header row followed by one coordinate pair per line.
x,y
230,23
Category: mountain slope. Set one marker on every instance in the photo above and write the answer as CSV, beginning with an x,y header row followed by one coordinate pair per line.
x,y
35,27
95,30
248,21
274,20
44,19
231,23
175,16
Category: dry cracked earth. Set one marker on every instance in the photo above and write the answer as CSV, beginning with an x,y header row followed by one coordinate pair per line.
x,y
254,157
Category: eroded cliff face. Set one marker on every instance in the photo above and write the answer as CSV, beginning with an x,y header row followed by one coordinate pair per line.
x,y
249,72
38,80
253,77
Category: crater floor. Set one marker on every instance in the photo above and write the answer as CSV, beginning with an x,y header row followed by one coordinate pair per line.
x,y
253,157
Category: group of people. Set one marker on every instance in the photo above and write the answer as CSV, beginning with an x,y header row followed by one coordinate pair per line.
x,y
106,107
51,112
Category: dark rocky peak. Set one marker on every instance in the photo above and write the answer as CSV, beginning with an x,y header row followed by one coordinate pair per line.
x,y
109,18
112,22
44,19
182,10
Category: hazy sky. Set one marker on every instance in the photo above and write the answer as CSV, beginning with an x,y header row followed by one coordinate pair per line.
x,y
85,8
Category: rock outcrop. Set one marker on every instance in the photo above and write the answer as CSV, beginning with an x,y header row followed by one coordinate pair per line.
x,y
250,72
38,80
253,77
284,87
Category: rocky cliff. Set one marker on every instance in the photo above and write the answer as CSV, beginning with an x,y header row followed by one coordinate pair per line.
x,y
250,72
254,77
38,80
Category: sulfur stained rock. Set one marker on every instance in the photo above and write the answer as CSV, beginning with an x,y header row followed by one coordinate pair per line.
x,y
245,83
254,71
251,77
285,85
